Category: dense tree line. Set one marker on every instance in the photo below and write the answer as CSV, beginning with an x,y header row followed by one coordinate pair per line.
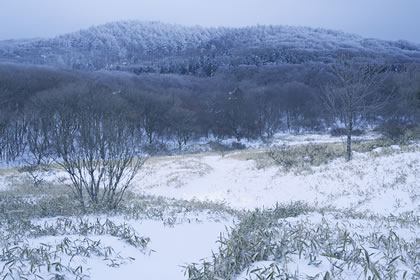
x,y
245,103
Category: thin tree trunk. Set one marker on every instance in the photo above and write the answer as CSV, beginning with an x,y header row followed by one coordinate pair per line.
x,y
349,133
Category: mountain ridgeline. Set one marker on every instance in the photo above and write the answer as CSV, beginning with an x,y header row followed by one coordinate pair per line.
x,y
154,47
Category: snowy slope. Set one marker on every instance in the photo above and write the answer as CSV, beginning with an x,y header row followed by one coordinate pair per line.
x,y
152,44
383,184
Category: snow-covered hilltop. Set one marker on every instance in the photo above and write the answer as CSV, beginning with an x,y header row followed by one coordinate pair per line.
x,y
157,47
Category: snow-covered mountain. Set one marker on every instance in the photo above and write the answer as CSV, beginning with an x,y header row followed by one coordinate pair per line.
x,y
156,47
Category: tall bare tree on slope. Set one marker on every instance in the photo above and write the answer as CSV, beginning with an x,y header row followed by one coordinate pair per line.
x,y
353,93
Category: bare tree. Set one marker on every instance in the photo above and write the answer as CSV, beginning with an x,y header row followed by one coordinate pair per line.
x,y
97,148
100,158
234,116
38,154
410,87
4,123
14,135
182,126
154,116
353,93
268,113
39,150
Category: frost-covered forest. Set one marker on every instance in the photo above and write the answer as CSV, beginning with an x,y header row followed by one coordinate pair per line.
x,y
162,48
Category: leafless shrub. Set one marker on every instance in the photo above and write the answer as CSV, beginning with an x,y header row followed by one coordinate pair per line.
x,y
219,147
100,155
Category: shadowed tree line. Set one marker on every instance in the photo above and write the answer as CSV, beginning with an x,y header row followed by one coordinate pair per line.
x,y
246,103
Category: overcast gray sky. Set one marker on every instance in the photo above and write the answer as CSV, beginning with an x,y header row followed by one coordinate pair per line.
x,y
383,19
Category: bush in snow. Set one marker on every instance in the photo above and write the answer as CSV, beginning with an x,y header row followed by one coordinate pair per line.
x,y
303,156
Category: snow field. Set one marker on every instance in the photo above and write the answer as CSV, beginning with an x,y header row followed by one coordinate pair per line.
x,y
371,204
381,182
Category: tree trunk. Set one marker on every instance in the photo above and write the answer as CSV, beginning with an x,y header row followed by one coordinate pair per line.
x,y
349,133
288,121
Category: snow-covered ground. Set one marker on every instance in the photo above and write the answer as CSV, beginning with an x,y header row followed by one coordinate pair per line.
x,y
202,145
173,247
282,138
380,183
170,248
371,236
